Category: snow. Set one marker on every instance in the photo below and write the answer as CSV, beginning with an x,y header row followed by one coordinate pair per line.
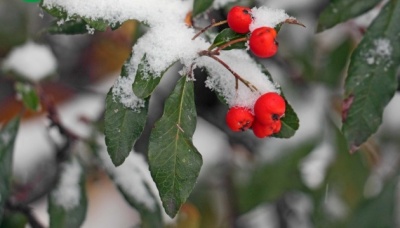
x,y
223,82
31,61
382,50
133,177
169,40
267,17
67,193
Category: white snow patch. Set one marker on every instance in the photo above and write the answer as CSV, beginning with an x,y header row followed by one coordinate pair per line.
x,y
382,50
267,17
32,61
132,176
67,193
223,82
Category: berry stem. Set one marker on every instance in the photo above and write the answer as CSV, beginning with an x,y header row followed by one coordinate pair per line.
x,y
227,44
213,24
236,75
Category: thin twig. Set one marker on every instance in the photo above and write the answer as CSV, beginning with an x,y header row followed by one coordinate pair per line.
x,y
230,43
213,24
236,75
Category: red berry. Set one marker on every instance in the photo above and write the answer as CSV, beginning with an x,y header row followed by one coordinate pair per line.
x,y
239,19
277,126
239,118
262,130
269,108
262,42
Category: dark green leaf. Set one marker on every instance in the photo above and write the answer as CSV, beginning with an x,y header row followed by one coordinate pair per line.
x,y
199,6
29,96
371,80
145,81
69,27
290,123
123,126
174,162
65,212
339,11
270,181
226,36
379,211
7,138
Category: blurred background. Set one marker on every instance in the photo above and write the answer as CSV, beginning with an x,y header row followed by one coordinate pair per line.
x,y
309,180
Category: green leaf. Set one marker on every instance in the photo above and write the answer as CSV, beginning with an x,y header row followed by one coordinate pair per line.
x,y
145,81
29,96
199,6
71,27
339,11
174,162
371,80
62,208
226,36
14,220
69,20
7,138
290,123
270,181
379,211
123,126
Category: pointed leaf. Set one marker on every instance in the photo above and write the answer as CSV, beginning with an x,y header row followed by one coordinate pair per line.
x,y
67,202
7,139
174,162
145,81
226,36
71,27
371,80
123,126
199,6
29,96
339,11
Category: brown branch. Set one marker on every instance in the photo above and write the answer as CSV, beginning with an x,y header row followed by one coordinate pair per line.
x,y
236,75
230,43
213,24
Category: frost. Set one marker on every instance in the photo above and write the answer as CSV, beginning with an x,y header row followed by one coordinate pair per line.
x,y
267,17
169,40
382,50
90,29
223,82
32,61
132,177
67,194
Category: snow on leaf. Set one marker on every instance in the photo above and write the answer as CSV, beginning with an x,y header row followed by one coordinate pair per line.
x,y
31,61
267,17
222,81
372,76
67,201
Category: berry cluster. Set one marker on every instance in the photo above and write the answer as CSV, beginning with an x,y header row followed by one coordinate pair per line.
x,y
268,110
262,40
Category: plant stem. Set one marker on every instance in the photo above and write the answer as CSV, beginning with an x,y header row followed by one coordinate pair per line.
x,y
236,75
213,24
230,43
